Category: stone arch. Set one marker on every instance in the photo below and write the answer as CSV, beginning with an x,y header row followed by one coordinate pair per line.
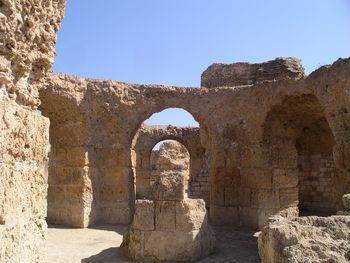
x,y
298,144
148,136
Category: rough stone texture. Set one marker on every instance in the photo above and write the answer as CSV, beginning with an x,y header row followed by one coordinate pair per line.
x,y
171,157
237,74
175,231
27,48
148,136
170,228
316,184
346,201
170,186
28,35
252,136
306,239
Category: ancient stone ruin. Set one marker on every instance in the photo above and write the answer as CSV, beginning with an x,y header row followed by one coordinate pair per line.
x,y
273,145
170,227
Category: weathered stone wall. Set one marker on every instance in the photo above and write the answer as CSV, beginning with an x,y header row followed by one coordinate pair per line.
x,y
28,35
171,156
306,239
149,135
237,74
252,134
316,184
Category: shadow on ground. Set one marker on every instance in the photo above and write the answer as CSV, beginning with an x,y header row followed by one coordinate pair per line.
x,y
100,245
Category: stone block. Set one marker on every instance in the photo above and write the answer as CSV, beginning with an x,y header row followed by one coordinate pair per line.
x,y
289,197
24,135
115,212
190,214
165,215
169,186
170,246
346,201
132,245
117,176
65,175
23,189
77,156
69,134
250,217
231,196
144,215
110,193
256,178
265,198
245,195
224,216
284,178
112,157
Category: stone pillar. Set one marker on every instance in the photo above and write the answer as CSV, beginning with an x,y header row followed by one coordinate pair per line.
x,y
170,227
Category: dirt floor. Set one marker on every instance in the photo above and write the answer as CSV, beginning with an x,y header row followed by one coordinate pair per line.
x,y
100,245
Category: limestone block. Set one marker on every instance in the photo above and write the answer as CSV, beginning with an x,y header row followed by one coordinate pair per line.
x,y
23,188
112,157
305,239
231,196
144,215
24,134
289,197
283,178
132,245
250,217
69,134
256,178
236,74
23,242
77,156
117,176
169,186
110,193
265,198
221,215
190,214
346,201
115,212
165,215
65,175
57,156
172,246
245,195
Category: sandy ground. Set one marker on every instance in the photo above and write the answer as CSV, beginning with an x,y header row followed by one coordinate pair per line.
x,y
100,245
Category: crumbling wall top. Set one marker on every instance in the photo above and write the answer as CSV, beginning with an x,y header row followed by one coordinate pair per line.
x,y
238,74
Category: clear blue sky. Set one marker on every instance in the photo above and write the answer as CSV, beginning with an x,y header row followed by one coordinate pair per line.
x,y
173,41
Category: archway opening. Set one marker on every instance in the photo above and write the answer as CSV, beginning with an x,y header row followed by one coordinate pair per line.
x,y
300,144
180,126
170,157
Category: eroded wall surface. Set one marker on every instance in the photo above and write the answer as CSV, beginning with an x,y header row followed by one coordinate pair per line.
x,y
28,35
252,134
305,239
148,136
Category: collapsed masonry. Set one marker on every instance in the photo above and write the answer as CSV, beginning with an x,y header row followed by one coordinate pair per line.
x,y
271,140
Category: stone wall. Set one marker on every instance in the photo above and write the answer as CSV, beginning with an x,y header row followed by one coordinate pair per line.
x,y
148,136
28,35
306,239
316,184
237,74
171,156
252,136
